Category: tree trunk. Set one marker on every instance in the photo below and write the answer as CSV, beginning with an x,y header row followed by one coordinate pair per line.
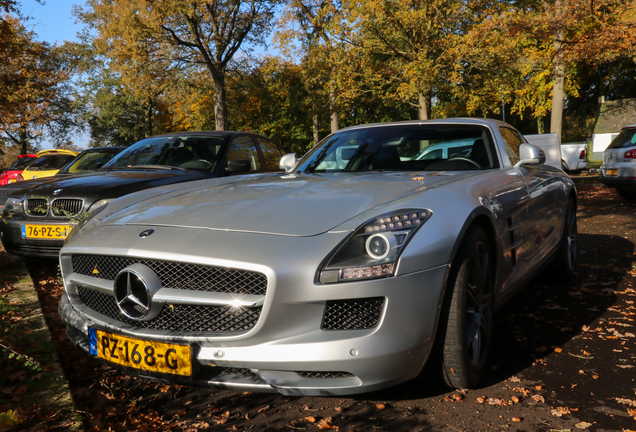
x,y
558,90
314,127
540,125
219,103
422,106
149,131
332,108
24,140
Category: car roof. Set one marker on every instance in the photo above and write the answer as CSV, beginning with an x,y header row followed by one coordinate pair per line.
x,y
105,148
57,151
204,132
455,120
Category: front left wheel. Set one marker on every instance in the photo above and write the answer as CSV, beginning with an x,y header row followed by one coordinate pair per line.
x,y
568,248
468,332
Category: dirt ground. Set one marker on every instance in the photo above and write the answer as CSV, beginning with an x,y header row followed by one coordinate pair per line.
x,y
564,361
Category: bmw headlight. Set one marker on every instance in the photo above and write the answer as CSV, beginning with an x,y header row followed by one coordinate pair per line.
x,y
96,207
12,206
85,218
374,248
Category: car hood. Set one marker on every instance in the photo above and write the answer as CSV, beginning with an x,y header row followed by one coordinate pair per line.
x,y
295,205
111,184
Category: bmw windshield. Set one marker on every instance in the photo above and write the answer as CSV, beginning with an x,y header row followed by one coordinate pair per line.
x,y
186,152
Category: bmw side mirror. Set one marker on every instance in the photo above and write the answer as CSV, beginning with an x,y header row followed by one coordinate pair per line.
x,y
288,162
530,155
238,166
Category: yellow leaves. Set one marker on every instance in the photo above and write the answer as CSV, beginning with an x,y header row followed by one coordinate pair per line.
x,y
9,419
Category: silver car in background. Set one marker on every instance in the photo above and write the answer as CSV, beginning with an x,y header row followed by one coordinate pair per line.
x,y
619,163
346,274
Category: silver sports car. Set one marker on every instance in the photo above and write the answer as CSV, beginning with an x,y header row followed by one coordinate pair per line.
x,y
368,258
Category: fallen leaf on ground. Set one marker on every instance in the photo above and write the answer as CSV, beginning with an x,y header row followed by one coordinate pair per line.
x,y
326,424
583,425
560,411
626,401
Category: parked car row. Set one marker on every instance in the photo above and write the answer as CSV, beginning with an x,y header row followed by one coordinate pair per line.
x,y
384,248
87,161
40,216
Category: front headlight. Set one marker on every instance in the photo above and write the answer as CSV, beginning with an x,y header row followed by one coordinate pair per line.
x,y
12,206
374,248
97,205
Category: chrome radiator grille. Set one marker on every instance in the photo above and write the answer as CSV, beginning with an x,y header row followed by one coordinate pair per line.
x,y
37,207
66,207
177,275
185,318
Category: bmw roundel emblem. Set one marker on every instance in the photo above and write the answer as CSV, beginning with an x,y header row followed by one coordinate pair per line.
x,y
146,233
57,191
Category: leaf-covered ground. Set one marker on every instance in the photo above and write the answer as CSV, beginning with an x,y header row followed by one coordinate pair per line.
x,y
564,361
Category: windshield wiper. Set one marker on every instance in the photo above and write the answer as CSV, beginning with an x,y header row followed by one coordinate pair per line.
x,y
162,167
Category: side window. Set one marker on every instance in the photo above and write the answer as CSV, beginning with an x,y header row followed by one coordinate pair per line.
x,y
243,147
512,141
433,154
271,153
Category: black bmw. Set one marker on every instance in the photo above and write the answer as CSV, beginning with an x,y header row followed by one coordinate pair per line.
x,y
36,220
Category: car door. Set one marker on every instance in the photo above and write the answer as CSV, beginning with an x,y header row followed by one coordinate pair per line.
x,y
545,208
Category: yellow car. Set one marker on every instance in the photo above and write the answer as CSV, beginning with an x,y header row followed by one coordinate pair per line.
x,y
48,163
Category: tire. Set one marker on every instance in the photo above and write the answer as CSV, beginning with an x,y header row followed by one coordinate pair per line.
x,y
568,248
468,330
564,167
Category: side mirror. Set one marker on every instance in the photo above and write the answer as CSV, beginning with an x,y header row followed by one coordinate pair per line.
x,y
530,155
238,166
288,162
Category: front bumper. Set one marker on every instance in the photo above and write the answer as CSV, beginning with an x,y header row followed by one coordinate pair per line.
x,y
287,351
14,243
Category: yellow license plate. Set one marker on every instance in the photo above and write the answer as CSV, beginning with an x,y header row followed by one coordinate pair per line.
x,y
141,354
612,172
51,232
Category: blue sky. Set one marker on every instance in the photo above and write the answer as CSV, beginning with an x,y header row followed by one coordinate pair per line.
x,y
53,22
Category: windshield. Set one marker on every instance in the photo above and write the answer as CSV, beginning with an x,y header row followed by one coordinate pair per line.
x,y
403,147
90,160
21,163
627,138
52,161
188,152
